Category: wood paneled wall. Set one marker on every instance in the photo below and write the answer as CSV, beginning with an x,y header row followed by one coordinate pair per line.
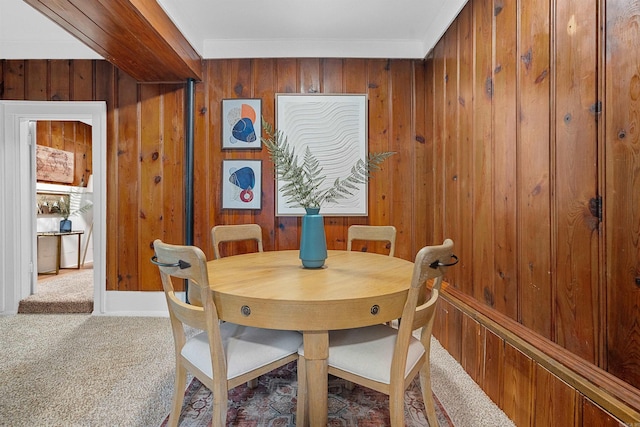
x,y
74,137
395,196
533,118
145,150
516,95
516,141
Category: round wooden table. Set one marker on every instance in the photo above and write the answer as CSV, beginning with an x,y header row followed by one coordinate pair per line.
x,y
272,290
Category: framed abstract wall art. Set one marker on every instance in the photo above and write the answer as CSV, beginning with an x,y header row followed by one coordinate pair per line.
x,y
241,124
334,128
241,184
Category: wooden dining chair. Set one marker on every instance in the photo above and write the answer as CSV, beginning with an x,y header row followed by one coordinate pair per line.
x,y
234,233
386,359
224,355
382,233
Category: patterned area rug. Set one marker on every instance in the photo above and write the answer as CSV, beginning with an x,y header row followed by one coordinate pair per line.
x,y
67,293
273,403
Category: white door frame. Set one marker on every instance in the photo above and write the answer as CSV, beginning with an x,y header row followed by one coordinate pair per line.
x,y
17,193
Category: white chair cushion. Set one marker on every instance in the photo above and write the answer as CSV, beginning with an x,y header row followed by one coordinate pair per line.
x,y
368,352
245,348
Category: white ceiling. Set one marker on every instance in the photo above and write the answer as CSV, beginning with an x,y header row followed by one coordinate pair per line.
x,y
259,28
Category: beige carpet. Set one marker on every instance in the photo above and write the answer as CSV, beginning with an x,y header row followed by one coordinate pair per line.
x,y
82,370
67,293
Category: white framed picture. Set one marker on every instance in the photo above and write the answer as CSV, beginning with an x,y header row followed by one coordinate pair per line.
x,y
241,124
334,128
241,184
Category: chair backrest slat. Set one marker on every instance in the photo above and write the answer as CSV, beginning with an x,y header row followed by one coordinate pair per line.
x,y
234,233
379,233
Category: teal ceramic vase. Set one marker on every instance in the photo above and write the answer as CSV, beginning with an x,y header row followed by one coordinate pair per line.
x,y
313,242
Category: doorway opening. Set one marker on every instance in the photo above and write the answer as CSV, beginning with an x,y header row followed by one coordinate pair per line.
x,y
63,210
18,227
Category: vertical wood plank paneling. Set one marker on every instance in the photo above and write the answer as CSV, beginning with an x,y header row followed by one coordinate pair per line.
x,y
504,92
60,80
127,168
576,236
13,80
464,246
493,367
380,103
151,198
533,175
472,353
88,150
398,170
82,80
517,397
438,138
450,209
43,133
426,212
265,82
71,145
68,136
172,154
57,135
622,195
555,401
36,80
420,133
209,96
452,330
483,246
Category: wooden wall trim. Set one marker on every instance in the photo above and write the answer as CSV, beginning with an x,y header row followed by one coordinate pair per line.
x,y
612,394
135,35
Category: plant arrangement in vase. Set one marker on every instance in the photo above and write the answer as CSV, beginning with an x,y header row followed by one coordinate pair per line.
x,y
303,183
303,186
69,206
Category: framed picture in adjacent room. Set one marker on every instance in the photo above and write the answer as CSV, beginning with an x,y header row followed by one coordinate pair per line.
x,y
241,124
241,184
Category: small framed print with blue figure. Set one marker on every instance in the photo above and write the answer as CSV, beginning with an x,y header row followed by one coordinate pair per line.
x,y
241,184
241,124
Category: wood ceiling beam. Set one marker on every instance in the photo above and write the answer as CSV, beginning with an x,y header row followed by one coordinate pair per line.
x,y
136,36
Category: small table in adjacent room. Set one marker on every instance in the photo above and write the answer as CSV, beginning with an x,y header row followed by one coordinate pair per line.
x,y
59,236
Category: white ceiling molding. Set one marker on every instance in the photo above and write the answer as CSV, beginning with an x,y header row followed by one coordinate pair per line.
x,y
312,49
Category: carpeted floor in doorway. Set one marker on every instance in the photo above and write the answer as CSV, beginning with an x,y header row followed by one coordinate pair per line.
x,y
68,293
273,403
